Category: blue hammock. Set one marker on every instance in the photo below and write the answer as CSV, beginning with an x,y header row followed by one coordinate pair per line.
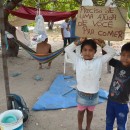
x,y
41,59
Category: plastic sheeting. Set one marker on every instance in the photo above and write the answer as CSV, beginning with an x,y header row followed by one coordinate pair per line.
x,y
61,95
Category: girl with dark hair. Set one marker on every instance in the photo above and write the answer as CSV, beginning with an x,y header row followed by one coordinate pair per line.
x,y
88,74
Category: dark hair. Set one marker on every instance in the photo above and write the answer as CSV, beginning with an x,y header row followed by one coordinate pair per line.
x,y
89,42
46,40
126,47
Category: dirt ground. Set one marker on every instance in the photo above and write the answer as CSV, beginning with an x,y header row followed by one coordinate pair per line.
x,y
25,85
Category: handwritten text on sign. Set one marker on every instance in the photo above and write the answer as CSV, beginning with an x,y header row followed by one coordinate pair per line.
x,y
101,22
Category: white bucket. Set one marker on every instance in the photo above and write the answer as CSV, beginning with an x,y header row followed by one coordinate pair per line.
x,y
12,126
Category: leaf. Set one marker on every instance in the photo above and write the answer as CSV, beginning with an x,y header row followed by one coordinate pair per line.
x,y
129,11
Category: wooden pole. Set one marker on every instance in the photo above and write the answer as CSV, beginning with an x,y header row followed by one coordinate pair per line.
x,y
4,54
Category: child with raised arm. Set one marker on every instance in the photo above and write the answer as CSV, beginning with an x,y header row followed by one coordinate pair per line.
x,y
119,92
88,74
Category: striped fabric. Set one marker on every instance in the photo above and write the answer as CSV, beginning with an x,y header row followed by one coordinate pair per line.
x,y
41,59
48,58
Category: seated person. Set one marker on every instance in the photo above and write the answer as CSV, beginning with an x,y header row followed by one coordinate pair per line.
x,y
43,48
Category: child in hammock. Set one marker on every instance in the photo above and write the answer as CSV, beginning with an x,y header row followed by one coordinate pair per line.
x,y
43,48
88,73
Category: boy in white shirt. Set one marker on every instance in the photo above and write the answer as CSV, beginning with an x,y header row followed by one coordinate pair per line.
x,y
65,32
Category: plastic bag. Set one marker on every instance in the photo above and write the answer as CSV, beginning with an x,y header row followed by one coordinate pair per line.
x,y
39,27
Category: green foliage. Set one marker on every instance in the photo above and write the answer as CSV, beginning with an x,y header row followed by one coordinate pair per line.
x,y
67,5
99,2
57,5
129,11
120,3
32,24
31,3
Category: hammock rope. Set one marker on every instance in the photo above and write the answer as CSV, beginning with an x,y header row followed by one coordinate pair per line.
x,y
121,13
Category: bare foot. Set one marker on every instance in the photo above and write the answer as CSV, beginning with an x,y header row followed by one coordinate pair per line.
x,y
88,128
48,67
40,67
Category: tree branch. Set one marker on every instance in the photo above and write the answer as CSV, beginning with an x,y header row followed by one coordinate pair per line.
x,y
10,5
79,1
45,3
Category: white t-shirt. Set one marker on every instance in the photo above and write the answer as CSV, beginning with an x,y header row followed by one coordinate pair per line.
x,y
66,33
87,3
88,72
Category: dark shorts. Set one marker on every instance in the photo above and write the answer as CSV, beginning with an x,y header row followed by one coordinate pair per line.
x,y
86,99
66,40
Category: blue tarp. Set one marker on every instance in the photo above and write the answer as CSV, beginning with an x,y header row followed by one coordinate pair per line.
x,y
61,95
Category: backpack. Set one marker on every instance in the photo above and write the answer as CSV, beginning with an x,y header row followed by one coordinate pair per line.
x,y
19,103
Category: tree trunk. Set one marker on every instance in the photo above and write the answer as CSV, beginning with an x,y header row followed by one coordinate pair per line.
x,y
4,54
13,47
50,25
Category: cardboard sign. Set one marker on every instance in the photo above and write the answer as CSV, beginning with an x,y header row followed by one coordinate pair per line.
x,y
101,22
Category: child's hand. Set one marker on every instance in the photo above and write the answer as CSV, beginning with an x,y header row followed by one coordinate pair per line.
x,y
80,41
100,42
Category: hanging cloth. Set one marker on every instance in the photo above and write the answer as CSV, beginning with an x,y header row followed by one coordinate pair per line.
x,y
39,27
87,3
110,3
